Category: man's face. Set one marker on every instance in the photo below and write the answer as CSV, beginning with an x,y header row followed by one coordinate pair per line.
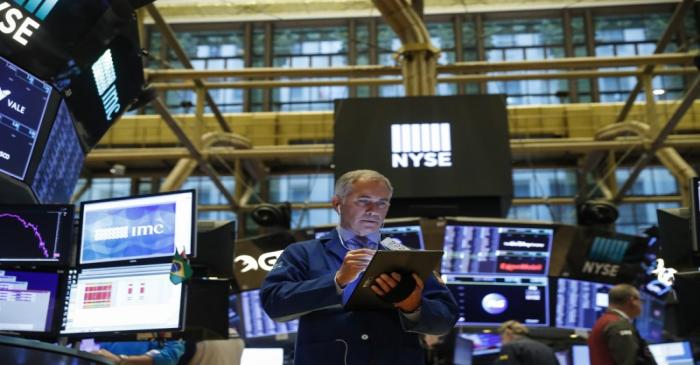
x,y
363,210
634,305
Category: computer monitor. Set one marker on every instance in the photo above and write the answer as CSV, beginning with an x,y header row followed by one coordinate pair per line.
x,y
580,303
122,299
137,228
650,322
491,300
580,355
61,161
36,235
30,301
24,101
482,343
676,353
215,241
496,247
257,324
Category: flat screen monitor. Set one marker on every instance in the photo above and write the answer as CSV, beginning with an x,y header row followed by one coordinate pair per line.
x,y
30,301
61,161
580,303
676,353
122,299
36,234
257,324
137,228
685,286
491,300
215,241
580,355
483,247
482,343
23,102
650,323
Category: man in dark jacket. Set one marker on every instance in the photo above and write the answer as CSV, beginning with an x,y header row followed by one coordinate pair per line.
x,y
308,280
614,340
517,348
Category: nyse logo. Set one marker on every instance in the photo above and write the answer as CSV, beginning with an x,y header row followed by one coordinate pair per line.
x,y
421,145
13,21
105,80
600,268
40,8
265,262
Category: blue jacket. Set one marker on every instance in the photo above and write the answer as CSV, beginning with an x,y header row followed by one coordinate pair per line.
x,y
302,285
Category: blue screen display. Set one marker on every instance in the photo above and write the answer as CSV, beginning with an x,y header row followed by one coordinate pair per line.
x,y
114,233
60,165
23,100
144,227
580,303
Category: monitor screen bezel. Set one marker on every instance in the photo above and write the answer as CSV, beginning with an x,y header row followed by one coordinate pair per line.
x,y
122,334
505,223
489,325
59,304
67,258
139,261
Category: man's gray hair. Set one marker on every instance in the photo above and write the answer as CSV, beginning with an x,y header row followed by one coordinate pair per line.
x,y
621,294
344,183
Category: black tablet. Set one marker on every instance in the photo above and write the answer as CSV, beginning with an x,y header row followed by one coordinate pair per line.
x,y
358,295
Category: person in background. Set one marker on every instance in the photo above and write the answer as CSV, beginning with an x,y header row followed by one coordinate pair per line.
x,y
151,352
308,280
614,340
517,348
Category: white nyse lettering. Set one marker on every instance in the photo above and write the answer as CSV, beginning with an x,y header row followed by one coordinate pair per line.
x,y
9,24
421,145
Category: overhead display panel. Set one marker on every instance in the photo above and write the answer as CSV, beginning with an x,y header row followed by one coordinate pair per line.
x,y
23,100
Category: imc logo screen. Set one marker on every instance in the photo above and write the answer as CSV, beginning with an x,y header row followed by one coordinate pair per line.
x,y
128,233
15,23
421,145
23,100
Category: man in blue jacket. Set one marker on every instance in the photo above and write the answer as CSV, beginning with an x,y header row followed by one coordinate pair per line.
x,y
308,280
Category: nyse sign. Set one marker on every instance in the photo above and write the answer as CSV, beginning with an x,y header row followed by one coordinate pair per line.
x,y
21,27
600,268
421,145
